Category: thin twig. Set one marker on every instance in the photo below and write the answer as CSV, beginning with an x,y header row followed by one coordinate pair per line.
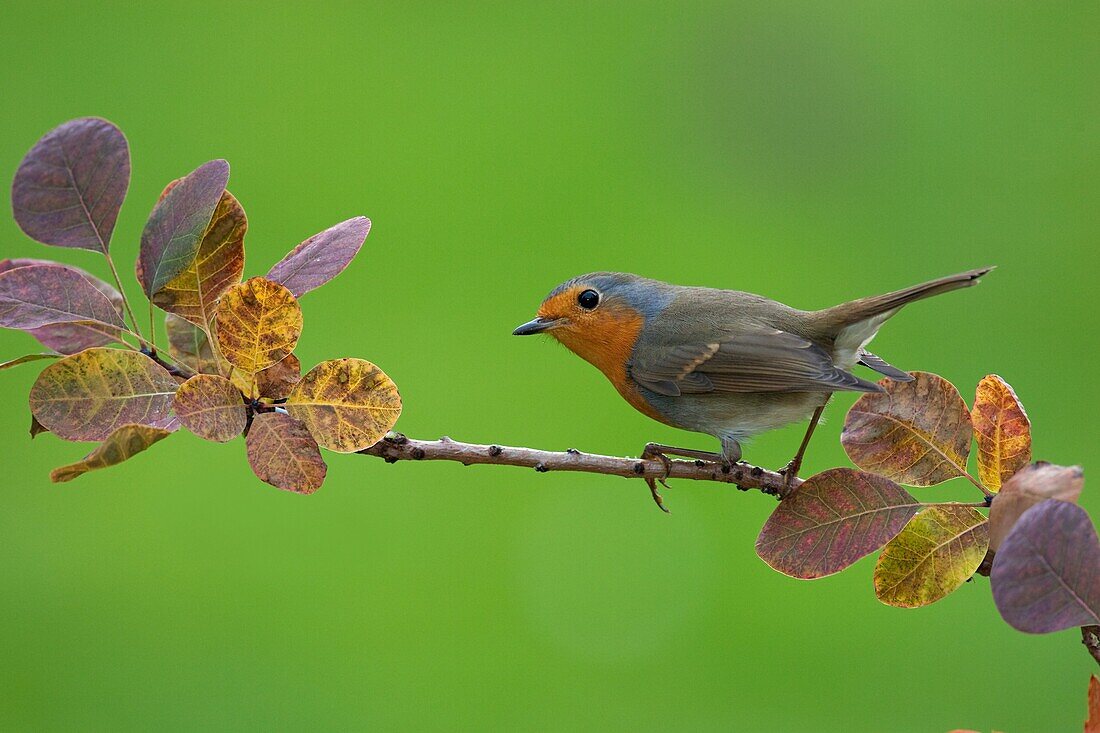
x,y
396,447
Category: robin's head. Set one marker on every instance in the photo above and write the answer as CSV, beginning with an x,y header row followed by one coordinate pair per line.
x,y
599,316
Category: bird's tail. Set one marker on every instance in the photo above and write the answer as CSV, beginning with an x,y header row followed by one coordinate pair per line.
x,y
878,308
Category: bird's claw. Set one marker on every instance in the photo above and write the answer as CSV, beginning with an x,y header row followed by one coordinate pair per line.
x,y
651,452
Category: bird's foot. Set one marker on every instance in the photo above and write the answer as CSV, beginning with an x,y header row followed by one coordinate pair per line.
x,y
652,451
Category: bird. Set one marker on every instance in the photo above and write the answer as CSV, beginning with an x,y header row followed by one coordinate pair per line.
x,y
725,363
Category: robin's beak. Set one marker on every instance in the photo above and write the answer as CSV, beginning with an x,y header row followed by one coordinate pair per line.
x,y
537,326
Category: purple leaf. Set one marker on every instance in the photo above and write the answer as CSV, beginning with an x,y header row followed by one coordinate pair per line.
x,y
1046,576
174,230
833,519
321,257
31,297
70,186
69,338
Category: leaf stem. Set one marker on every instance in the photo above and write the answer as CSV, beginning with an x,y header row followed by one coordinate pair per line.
x,y
121,291
985,492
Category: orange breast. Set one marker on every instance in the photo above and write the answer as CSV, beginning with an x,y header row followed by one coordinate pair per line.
x,y
607,343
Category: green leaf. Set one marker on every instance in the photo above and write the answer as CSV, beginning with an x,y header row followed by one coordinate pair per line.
x,y
936,552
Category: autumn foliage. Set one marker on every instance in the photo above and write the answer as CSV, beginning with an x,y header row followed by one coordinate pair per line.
x,y
229,368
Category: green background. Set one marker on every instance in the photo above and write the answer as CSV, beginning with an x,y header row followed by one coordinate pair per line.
x,y
810,152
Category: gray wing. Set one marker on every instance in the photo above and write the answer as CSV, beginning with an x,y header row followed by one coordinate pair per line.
x,y
880,365
759,360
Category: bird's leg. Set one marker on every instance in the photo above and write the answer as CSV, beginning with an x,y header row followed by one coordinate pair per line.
x,y
661,453
791,470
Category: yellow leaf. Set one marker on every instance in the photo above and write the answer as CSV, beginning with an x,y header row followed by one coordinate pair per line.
x,y
89,395
121,445
347,404
258,324
936,552
217,266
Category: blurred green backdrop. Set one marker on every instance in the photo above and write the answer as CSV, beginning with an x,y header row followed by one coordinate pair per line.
x,y
812,152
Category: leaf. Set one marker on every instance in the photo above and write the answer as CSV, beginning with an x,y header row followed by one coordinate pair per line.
x,y
833,519
69,338
277,381
321,257
121,445
189,345
347,404
36,428
24,359
36,296
217,266
1092,725
70,186
1046,576
89,395
915,433
936,552
258,324
1028,487
174,230
211,408
1002,430
283,453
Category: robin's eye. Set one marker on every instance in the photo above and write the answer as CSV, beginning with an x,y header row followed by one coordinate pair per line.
x,y
589,299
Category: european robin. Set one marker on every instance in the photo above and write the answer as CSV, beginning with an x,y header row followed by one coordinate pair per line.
x,y
722,362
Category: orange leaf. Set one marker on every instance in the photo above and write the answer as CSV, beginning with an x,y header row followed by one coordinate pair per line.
x,y
258,324
1002,430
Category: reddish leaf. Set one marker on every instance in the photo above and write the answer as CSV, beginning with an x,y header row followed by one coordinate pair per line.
x,y
1046,576
121,445
276,382
1002,430
31,297
174,230
833,519
189,345
89,395
321,257
915,433
283,453
211,408
1027,487
70,186
69,338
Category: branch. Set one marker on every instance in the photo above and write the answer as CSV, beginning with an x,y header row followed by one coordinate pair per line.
x,y
396,447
